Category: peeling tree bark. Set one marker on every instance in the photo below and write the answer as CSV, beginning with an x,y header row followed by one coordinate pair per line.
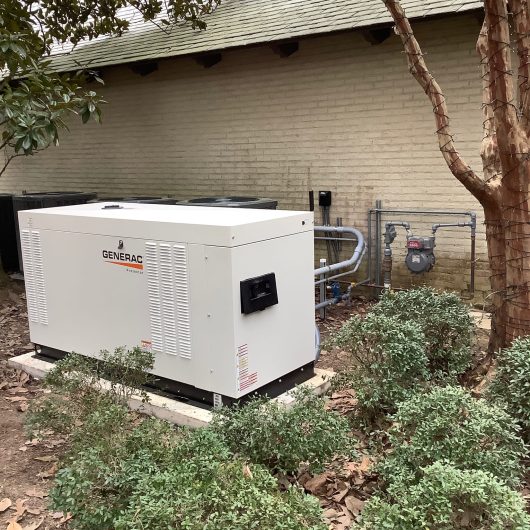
x,y
504,186
492,170
512,143
521,12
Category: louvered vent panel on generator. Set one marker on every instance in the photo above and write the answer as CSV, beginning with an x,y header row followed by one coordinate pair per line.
x,y
34,276
167,298
38,269
29,275
153,289
167,279
180,257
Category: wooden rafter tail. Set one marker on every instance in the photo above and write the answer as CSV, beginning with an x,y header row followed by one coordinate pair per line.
x,y
418,68
521,23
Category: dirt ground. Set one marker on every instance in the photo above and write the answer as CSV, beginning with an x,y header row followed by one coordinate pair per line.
x,y
336,315
28,466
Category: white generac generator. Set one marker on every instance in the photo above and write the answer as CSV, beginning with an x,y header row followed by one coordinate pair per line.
x,y
223,297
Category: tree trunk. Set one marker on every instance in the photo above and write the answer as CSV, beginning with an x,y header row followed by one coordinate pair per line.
x,y
496,258
512,147
503,189
517,232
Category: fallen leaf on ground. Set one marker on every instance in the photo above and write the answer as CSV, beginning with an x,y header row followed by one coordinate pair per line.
x,y
20,509
16,398
331,513
343,489
49,472
18,390
354,504
23,377
365,465
23,406
13,525
34,511
316,482
5,504
34,492
45,458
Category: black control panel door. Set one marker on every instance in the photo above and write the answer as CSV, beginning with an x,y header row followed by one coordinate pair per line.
x,y
258,293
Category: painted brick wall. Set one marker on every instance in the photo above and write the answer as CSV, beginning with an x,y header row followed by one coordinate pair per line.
x,y
339,114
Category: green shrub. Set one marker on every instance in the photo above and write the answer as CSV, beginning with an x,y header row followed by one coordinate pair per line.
x,y
511,385
448,424
78,392
125,472
447,498
445,322
97,478
154,476
227,495
280,438
389,361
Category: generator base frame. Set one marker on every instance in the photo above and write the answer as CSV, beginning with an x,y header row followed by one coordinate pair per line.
x,y
165,408
196,396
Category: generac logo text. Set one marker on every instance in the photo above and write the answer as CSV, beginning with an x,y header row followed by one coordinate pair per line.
x,y
134,261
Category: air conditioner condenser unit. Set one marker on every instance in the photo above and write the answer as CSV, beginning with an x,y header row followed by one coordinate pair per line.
x,y
222,297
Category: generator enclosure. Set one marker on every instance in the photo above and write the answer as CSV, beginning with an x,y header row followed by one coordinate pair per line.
x,y
223,297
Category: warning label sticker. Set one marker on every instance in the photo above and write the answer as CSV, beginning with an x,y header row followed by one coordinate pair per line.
x,y
245,378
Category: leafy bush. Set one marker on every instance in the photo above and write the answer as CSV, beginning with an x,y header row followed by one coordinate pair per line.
x,y
125,472
226,494
80,394
280,438
389,361
153,476
511,385
445,322
447,498
449,424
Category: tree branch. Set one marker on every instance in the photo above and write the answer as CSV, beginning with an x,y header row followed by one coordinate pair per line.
x,y
7,162
511,137
521,24
489,153
500,67
418,68
6,142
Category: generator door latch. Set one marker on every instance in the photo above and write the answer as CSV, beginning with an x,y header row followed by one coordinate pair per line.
x,y
258,293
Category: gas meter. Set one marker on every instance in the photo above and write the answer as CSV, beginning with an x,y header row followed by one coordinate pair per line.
x,y
420,253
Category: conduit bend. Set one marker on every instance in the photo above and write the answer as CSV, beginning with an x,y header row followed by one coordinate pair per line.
x,y
357,252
